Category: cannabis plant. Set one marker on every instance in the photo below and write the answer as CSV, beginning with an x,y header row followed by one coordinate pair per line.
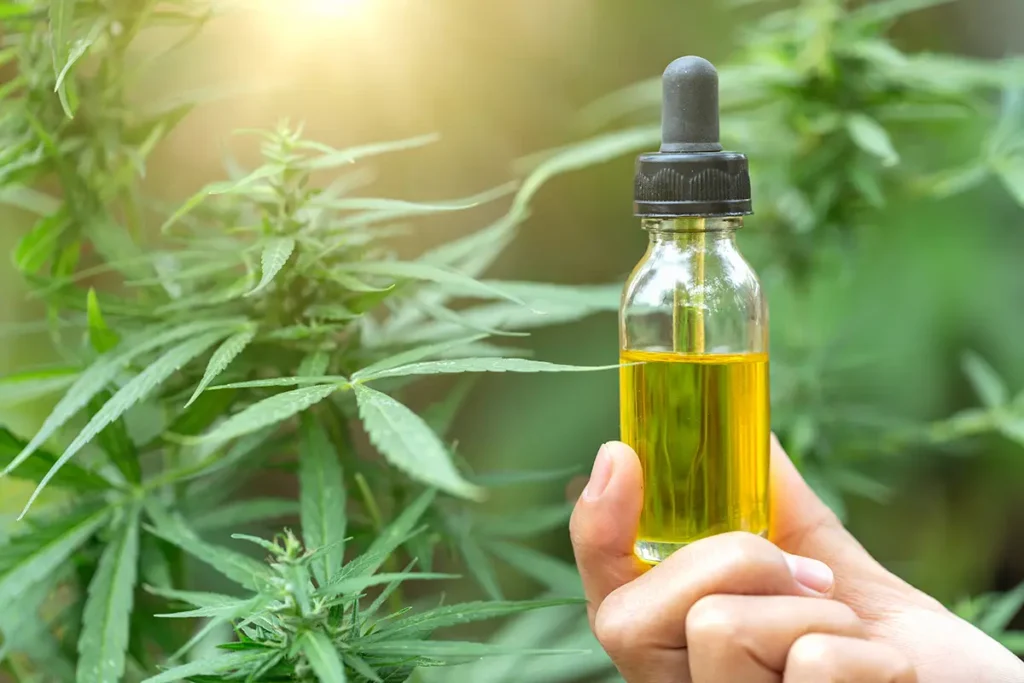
x,y
265,326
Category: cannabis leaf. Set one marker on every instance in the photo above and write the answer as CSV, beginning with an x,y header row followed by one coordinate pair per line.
x,y
104,637
270,411
323,657
322,489
477,365
221,358
409,444
98,375
134,391
275,255
31,557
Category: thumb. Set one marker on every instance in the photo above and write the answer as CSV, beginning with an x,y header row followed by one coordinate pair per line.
x,y
604,524
803,525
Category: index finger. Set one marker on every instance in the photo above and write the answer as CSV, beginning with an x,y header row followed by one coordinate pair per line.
x,y
604,524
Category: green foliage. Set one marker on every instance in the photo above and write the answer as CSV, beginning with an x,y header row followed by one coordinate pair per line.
x,y
840,127
237,334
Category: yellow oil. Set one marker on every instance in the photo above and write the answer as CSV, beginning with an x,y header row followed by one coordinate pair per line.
x,y
700,424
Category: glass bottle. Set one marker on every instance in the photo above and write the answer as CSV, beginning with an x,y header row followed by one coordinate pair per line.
x,y
694,333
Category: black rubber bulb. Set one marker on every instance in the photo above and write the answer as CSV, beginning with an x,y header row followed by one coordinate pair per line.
x,y
689,108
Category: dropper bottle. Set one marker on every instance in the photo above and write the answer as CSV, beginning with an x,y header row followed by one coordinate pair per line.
x,y
693,332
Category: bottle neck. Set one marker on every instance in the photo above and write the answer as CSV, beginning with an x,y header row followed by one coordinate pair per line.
x,y
667,228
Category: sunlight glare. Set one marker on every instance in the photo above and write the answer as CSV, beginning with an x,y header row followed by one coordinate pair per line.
x,y
331,8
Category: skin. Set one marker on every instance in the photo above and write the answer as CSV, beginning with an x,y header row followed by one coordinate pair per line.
x,y
810,606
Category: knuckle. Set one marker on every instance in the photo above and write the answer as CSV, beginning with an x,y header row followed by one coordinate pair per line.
x,y
712,619
844,617
812,655
759,554
616,626
898,667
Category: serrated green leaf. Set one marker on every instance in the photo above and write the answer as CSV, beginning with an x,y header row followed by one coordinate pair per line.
x,y
245,512
1002,611
323,657
208,666
388,540
222,358
101,337
413,270
581,155
870,136
104,637
322,495
98,375
986,382
115,442
355,586
415,354
504,316
275,255
337,380
138,388
269,411
557,575
333,157
229,609
457,365
450,650
241,569
409,444
359,665
71,476
425,623
31,557
195,598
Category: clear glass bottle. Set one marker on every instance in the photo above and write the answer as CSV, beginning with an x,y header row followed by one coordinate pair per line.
x,y
694,333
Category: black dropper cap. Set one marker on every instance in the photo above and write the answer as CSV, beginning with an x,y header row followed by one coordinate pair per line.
x,y
691,175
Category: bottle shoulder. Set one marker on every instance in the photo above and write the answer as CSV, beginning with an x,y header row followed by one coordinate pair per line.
x,y
676,276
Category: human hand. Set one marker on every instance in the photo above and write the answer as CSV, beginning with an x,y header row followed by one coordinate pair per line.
x,y
812,606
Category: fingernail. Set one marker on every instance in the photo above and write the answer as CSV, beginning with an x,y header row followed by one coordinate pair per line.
x,y
600,475
811,573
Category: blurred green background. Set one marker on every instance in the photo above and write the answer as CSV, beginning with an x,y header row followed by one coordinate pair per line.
x,y
503,80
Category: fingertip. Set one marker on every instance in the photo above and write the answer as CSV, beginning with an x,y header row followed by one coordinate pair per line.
x,y
626,465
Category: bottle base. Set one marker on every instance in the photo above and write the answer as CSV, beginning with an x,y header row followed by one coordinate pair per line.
x,y
654,552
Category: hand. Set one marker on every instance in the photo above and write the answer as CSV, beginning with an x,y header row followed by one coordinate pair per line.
x,y
812,607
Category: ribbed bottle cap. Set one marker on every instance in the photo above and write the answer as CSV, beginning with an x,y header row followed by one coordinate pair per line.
x,y
691,175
